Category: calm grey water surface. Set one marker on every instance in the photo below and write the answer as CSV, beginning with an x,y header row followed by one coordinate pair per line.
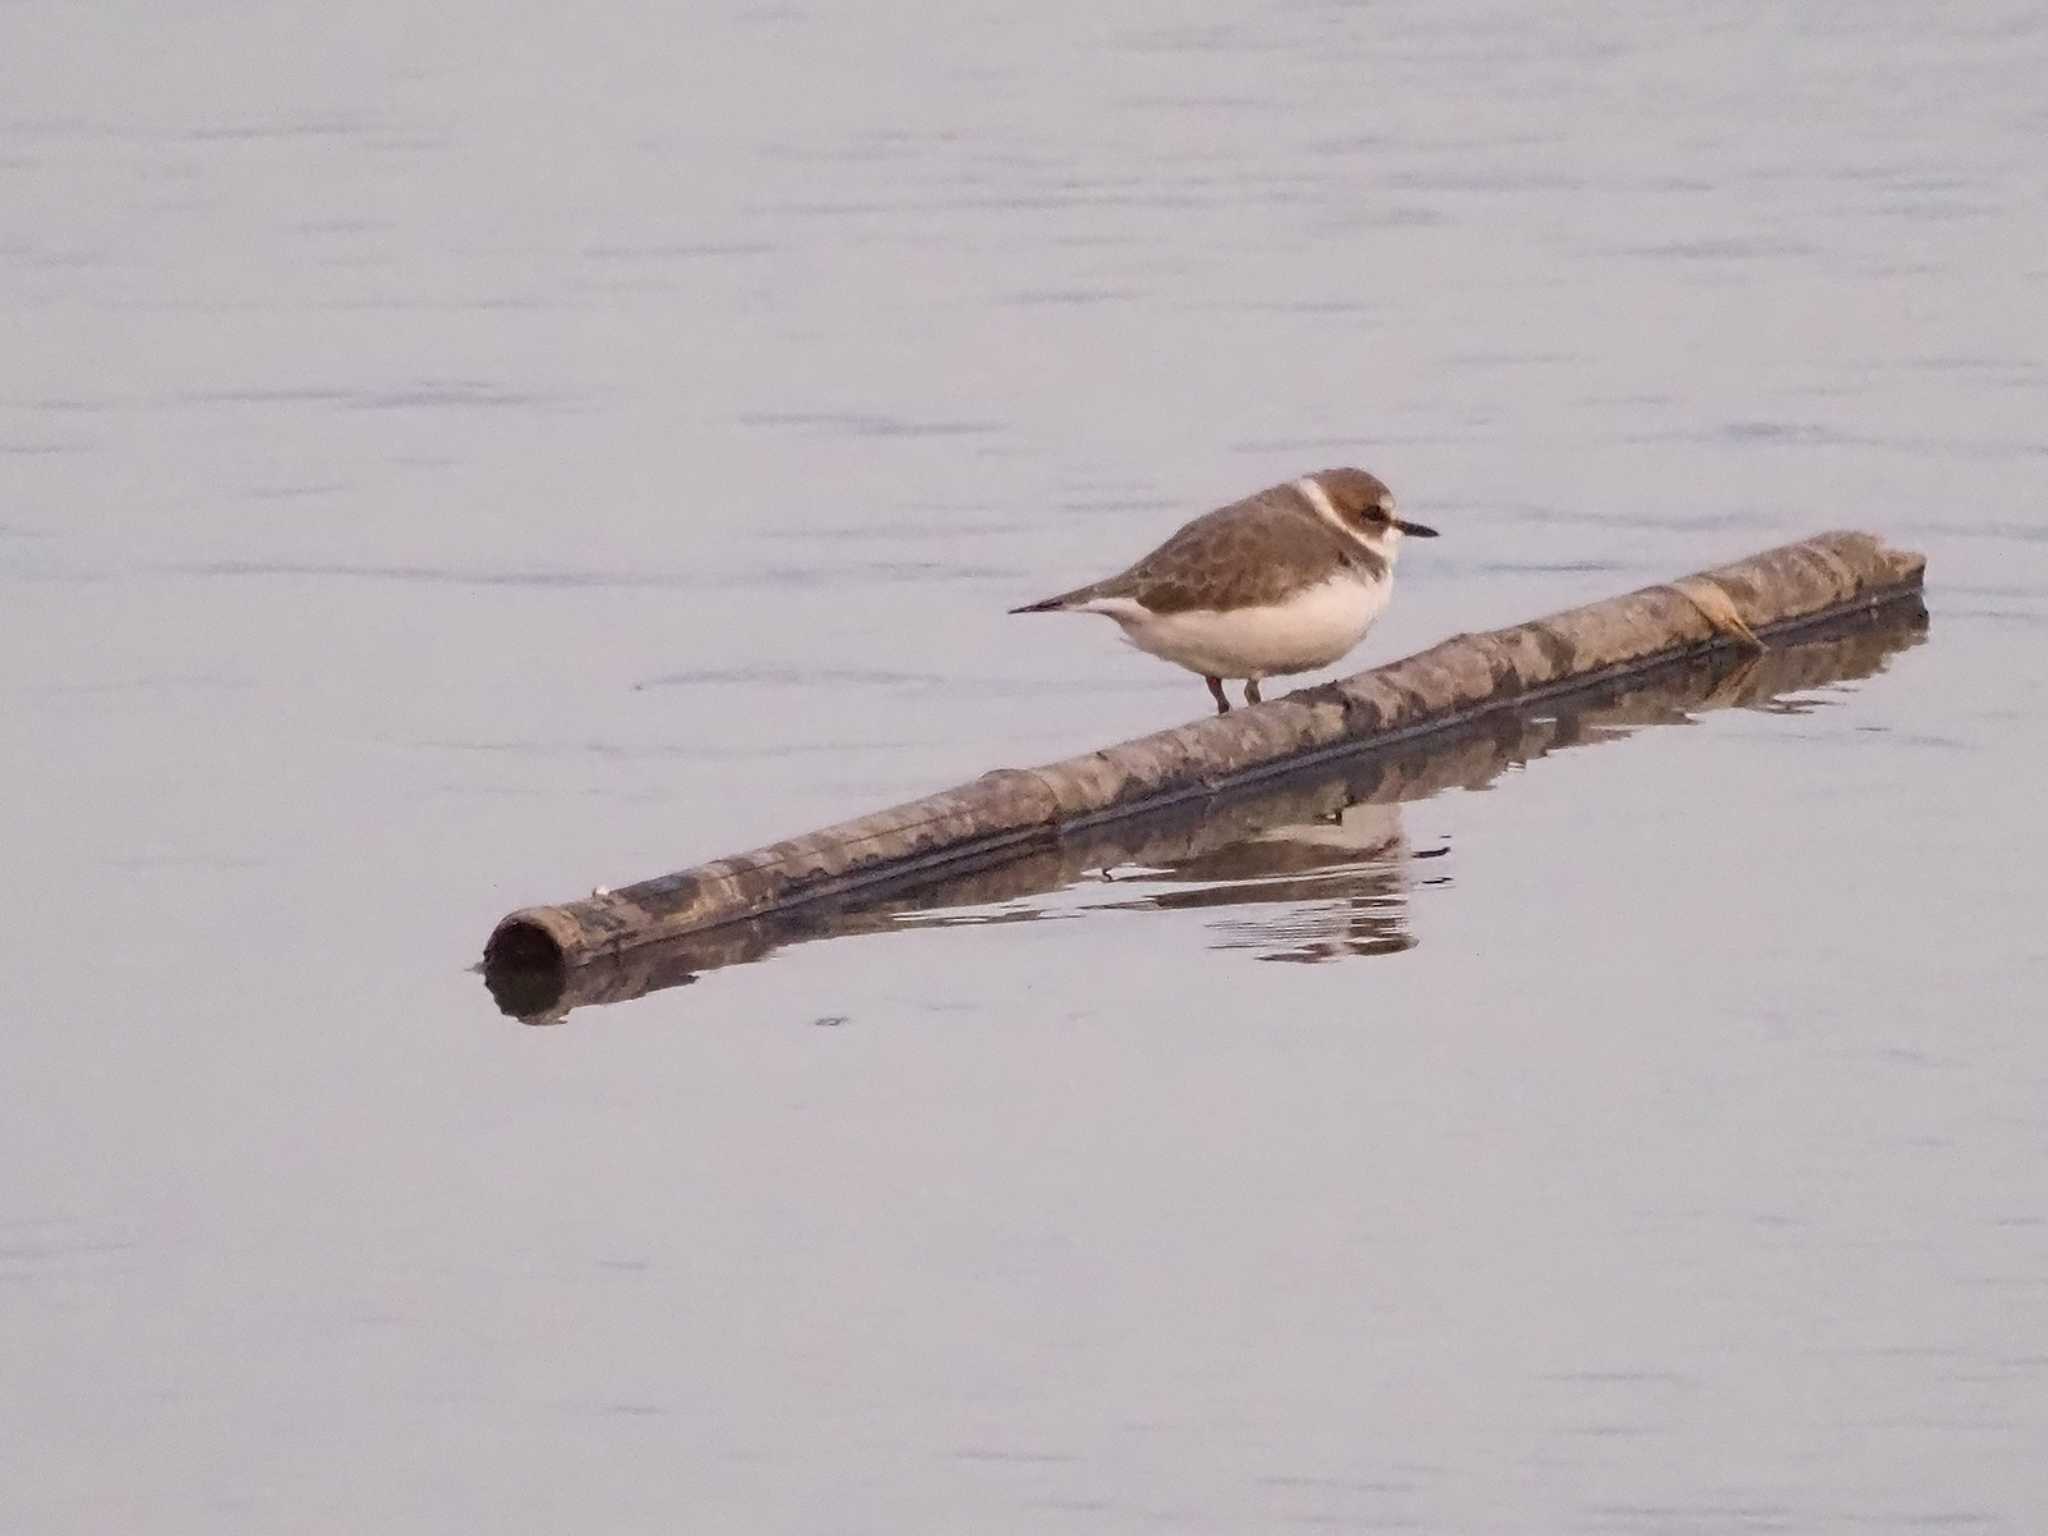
x,y
451,457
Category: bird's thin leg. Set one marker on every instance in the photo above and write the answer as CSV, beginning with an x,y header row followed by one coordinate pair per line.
x,y
1216,693
1251,691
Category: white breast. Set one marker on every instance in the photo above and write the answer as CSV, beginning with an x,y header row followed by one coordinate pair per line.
x,y
1308,630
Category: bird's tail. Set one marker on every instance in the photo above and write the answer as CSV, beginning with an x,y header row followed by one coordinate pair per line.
x,y
1063,602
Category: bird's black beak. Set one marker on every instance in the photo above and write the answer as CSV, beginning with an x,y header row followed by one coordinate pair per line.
x,y
1415,530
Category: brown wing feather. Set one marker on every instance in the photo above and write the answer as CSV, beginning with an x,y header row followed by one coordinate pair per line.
x,y
1238,556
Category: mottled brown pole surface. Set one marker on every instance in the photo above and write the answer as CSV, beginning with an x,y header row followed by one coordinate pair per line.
x,y
1012,810
1241,847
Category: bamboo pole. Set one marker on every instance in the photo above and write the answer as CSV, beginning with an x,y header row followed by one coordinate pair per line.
x,y
1012,812
1232,846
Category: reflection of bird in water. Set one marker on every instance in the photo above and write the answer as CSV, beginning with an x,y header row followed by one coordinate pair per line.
x,y
1338,884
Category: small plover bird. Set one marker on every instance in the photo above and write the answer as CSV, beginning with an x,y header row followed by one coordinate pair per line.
x,y
1284,581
